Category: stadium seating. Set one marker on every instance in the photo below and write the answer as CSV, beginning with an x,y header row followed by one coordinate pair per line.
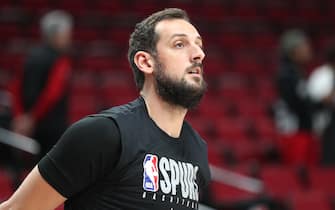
x,y
6,188
310,200
280,181
322,179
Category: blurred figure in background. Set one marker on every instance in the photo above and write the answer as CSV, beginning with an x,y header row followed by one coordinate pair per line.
x,y
6,154
321,88
294,110
40,97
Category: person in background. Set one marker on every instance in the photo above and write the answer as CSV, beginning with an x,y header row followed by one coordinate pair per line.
x,y
293,112
40,95
321,88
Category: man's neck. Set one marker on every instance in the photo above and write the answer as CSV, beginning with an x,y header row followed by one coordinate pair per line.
x,y
167,117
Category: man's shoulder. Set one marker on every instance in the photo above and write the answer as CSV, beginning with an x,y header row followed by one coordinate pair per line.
x,y
38,50
40,54
93,126
195,134
122,111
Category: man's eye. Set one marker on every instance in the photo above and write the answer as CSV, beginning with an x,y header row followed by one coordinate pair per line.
x,y
179,45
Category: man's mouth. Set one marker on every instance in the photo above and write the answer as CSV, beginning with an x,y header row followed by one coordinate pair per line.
x,y
196,70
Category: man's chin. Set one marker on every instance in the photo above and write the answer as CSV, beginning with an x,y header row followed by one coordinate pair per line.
x,y
194,82
187,93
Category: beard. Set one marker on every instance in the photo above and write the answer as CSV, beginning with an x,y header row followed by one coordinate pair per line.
x,y
178,93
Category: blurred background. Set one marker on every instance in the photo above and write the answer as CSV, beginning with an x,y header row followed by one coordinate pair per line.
x,y
254,65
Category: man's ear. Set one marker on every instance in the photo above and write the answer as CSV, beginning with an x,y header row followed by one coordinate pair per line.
x,y
144,62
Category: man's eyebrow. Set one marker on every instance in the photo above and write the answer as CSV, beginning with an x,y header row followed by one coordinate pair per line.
x,y
184,35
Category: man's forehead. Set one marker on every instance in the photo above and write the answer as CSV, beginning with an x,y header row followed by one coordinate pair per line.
x,y
176,27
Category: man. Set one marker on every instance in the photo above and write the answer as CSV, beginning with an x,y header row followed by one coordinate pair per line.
x,y
294,111
40,98
141,155
321,88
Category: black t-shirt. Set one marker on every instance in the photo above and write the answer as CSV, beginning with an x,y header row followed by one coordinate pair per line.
x,y
120,159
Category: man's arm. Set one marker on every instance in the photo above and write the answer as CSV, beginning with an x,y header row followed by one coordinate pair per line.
x,y
86,152
34,194
54,89
91,143
58,78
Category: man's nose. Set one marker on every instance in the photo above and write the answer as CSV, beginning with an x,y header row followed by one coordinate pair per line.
x,y
197,54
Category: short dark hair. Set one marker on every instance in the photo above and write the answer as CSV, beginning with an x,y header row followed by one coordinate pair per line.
x,y
144,38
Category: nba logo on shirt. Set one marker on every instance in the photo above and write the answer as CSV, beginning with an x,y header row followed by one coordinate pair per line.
x,y
150,174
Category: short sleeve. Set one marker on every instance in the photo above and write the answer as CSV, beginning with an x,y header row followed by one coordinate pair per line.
x,y
87,151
